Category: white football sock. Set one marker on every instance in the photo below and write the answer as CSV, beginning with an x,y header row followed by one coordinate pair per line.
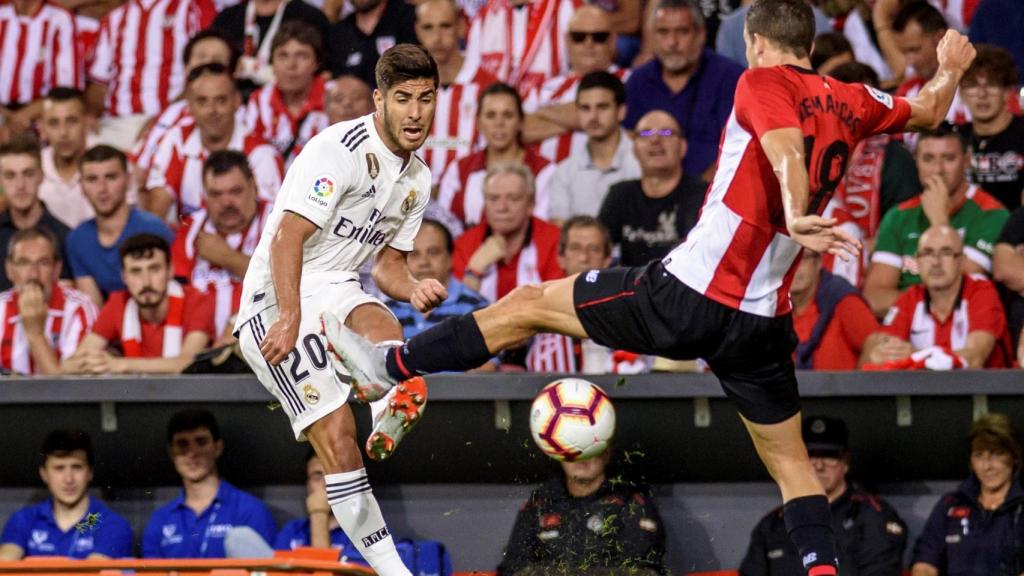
x,y
357,512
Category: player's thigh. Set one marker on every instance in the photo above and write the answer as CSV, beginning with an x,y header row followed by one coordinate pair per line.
x,y
374,321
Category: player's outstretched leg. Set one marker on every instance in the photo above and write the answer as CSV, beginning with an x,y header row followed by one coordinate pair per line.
x,y
805,511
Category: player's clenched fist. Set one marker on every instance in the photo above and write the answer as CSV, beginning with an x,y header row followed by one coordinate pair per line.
x,y
955,51
280,339
427,295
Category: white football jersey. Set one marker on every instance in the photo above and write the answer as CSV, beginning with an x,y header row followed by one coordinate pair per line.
x,y
359,194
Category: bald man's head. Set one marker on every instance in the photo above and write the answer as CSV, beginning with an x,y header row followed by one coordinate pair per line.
x,y
437,28
590,39
940,255
659,146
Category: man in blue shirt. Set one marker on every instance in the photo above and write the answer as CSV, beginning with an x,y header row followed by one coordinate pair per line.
x,y
92,246
691,81
69,522
194,524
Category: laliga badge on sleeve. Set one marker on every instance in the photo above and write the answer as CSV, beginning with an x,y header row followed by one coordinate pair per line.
x,y
409,200
321,191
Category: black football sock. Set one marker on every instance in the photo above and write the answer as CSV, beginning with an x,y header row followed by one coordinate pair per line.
x,y
809,524
455,344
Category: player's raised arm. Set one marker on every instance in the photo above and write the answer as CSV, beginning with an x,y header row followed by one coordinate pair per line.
x,y
932,103
286,269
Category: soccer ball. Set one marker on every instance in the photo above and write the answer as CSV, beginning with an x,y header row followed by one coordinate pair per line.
x,y
572,419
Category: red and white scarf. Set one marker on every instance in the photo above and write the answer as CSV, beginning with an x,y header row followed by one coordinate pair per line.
x,y
131,324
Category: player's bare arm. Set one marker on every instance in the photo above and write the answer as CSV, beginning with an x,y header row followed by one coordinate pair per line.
x,y
929,107
391,273
784,148
286,269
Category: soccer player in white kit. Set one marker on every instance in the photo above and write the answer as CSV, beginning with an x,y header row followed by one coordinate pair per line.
x,y
356,190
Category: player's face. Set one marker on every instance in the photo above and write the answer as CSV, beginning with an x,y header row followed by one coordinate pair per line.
x,y
231,200
678,41
294,65
806,276
195,454
146,278
429,257
209,51
658,146
437,29
585,249
586,471
831,471
105,185
499,121
507,203
985,99
63,126
590,40
408,113
20,177
943,157
918,47
993,466
33,262
213,101
940,259
598,113
67,477
347,98
315,476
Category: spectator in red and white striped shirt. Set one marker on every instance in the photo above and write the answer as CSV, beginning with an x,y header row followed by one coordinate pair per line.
x,y
212,247
290,110
137,69
347,98
454,130
551,108
176,178
38,51
41,322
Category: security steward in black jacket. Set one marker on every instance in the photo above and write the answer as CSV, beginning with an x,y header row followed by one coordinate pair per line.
x,y
870,535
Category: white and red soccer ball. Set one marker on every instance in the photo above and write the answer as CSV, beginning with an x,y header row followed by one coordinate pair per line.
x,y
572,419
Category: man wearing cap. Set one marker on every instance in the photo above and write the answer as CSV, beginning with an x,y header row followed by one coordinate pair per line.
x,y
871,536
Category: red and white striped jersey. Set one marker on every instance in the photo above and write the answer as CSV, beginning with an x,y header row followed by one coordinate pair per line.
x,y
267,115
139,53
740,254
87,33
521,45
978,308
225,288
176,114
562,90
70,318
178,165
454,131
39,52
462,186
536,262
564,354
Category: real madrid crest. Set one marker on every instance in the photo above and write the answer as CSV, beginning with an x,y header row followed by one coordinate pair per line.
x,y
372,165
409,200
312,394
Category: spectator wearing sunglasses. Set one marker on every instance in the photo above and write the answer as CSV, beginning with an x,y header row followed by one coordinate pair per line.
x,y
647,217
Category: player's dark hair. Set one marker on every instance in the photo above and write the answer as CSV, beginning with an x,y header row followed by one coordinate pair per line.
x,y
193,419
945,130
496,89
994,64
606,80
829,45
211,33
143,246
210,69
856,72
22,145
584,221
789,24
303,34
691,5
449,241
62,443
33,233
224,161
928,17
996,431
65,94
404,62
102,153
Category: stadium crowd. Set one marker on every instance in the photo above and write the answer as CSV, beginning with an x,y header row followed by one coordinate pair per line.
x,y
142,143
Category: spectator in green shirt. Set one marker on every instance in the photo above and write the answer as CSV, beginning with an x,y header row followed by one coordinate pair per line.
x,y
947,200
